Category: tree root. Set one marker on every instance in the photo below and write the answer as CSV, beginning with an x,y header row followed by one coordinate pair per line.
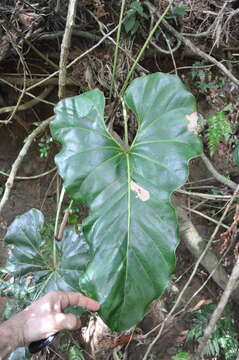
x,y
196,244
222,179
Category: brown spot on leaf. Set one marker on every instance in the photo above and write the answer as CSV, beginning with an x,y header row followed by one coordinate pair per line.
x,y
141,193
192,122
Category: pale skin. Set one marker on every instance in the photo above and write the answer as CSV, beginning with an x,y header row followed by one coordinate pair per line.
x,y
43,318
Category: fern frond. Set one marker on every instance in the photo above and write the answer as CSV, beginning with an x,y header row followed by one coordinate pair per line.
x,y
219,127
223,340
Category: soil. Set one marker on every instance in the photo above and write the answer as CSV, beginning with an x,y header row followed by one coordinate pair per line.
x,y
41,193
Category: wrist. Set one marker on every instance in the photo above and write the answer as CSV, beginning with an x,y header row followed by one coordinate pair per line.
x,y
10,338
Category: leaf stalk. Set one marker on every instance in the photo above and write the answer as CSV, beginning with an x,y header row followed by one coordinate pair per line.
x,y
147,41
125,116
117,47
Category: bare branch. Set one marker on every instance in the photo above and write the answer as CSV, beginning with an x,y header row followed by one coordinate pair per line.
x,y
75,60
19,159
195,49
65,46
27,105
219,309
33,177
217,175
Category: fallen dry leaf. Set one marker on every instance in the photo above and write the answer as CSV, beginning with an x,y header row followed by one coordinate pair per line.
x,y
192,122
142,193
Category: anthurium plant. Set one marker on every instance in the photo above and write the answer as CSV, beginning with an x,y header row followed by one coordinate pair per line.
x,y
126,250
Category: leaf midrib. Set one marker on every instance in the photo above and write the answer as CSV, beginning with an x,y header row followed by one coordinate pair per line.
x,y
128,227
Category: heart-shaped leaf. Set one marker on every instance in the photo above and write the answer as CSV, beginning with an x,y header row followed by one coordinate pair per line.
x,y
29,254
132,228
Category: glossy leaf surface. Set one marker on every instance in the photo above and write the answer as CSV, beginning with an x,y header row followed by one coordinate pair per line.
x,y
236,155
132,227
19,354
28,255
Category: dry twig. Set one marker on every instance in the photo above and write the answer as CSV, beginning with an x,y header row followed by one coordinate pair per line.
x,y
205,196
27,105
4,81
204,216
63,225
39,53
110,40
231,232
65,47
194,48
19,159
75,60
233,227
85,34
156,46
33,177
219,309
227,22
217,175
17,80
24,74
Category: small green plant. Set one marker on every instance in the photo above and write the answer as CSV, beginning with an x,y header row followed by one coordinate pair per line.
x,y
46,246
219,128
203,79
74,217
182,356
198,76
47,230
44,146
177,11
131,23
223,340
75,353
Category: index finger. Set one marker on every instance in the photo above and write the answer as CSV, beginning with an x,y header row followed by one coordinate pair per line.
x,y
74,298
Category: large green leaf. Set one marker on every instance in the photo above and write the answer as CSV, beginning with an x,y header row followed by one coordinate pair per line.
x,y
236,155
20,354
28,254
132,228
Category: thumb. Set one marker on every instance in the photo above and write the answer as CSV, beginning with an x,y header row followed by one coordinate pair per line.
x,y
68,321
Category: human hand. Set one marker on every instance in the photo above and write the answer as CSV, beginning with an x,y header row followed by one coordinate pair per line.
x,y
45,317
